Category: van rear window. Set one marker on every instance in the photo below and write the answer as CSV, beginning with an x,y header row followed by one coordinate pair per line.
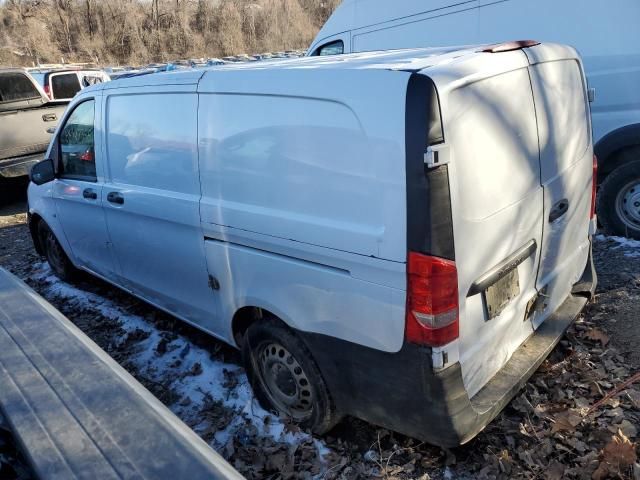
x,y
65,86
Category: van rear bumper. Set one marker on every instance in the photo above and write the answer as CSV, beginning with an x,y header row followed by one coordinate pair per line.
x,y
400,391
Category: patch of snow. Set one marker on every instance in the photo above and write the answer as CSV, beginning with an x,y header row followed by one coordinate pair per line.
x,y
631,247
177,365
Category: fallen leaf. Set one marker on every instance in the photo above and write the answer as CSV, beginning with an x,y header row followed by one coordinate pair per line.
x,y
555,471
601,472
565,421
618,455
505,462
290,427
634,396
598,336
628,428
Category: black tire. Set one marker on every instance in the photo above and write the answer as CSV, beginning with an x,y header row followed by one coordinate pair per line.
x,y
619,201
55,255
4,193
12,190
269,346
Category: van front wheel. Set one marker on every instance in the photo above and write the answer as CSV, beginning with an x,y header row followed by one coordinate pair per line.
x,y
284,377
56,257
619,201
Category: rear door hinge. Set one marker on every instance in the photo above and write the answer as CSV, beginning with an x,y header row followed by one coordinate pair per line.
x,y
436,155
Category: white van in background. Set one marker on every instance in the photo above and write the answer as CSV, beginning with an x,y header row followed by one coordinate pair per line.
x,y
382,235
606,35
61,84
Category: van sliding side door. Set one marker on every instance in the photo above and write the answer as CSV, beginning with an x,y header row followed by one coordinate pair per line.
x,y
152,198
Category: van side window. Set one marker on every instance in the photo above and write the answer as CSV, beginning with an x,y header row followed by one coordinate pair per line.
x,y
77,150
332,48
152,141
88,80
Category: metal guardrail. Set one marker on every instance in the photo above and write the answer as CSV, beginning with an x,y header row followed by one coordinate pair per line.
x,y
76,413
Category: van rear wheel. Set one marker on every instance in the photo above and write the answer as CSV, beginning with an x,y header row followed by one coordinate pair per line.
x,y
284,377
56,257
619,201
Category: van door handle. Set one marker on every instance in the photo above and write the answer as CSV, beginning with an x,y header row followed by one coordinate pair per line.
x,y
558,210
49,117
90,194
115,197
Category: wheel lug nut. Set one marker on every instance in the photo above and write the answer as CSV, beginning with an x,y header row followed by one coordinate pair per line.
x,y
636,204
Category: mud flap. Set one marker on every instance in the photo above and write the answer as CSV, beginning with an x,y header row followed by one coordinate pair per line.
x,y
587,284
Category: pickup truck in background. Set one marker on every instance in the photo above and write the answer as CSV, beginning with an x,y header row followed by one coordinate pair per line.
x,y
27,119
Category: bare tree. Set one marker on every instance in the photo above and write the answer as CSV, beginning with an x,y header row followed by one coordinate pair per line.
x,y
141,31
89,18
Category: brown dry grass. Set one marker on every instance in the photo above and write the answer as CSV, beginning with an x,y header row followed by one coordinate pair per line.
x,y
141,31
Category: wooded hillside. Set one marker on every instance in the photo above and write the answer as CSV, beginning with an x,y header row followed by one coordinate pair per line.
x,y
143,31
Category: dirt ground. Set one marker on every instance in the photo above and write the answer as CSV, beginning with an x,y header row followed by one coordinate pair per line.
x,y
557,427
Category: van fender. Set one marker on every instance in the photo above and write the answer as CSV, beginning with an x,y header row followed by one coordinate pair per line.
x,y
38,211
612,143
260,303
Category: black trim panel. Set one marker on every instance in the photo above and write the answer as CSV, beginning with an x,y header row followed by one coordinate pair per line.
x,y
502,269
429,219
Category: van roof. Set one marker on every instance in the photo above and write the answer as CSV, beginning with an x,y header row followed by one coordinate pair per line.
x,y
458,62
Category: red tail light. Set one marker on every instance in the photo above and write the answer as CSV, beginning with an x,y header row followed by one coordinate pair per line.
x,y
432,300
47,90
87,156
594,187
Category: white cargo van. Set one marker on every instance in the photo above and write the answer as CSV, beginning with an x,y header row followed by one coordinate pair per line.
x,y
604,33
399,236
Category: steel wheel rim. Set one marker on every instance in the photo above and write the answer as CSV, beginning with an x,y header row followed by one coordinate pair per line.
x,y
54,252
628,205
285,382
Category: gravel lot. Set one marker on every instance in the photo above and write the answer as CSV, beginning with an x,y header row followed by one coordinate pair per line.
x,y
548,430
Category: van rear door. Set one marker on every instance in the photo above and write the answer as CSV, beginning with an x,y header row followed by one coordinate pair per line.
x,y
497,202
566,157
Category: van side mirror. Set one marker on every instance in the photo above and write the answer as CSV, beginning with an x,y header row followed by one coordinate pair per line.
x,y
42,172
